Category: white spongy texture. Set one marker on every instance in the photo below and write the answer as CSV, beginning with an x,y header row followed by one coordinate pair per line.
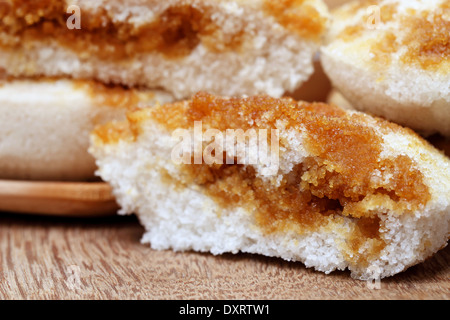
x,y
188,219
272,60
45,127
414,237
405,93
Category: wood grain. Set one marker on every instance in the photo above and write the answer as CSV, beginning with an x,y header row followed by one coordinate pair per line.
x,y
57,198
102,258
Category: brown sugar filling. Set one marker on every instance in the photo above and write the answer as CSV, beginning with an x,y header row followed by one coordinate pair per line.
x,y
331,184
175,33
427,37
297,16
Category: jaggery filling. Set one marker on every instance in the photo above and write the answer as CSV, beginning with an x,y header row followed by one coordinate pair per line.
x,y
428,39
425,35
175,33
333,183
298,16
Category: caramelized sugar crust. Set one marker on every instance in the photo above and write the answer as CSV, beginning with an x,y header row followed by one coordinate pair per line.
x,y
425,35
429,44
336,180
298,16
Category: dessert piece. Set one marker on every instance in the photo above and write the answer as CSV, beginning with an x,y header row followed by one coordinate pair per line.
x,y
45,125
329,187
392,58
229,47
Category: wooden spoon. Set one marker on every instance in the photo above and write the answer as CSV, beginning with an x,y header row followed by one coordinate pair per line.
x,y
71,199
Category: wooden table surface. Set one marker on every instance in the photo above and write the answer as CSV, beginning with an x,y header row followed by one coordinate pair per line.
x,y
61,258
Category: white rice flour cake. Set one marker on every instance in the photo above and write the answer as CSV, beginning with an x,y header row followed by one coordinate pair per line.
x,y
45,125
348,190
392,58
230,47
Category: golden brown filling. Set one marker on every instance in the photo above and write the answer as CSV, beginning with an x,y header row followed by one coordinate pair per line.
x,y
427,37
333,182
175,33
297,16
